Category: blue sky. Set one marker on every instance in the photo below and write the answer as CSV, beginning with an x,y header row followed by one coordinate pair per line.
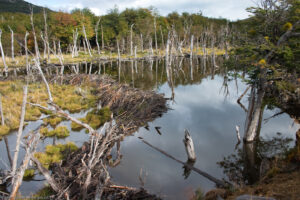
x,y
230,9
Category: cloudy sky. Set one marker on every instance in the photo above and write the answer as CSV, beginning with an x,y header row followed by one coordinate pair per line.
x,y
230,9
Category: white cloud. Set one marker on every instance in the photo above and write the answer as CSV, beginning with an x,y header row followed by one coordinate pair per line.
x,y
231,9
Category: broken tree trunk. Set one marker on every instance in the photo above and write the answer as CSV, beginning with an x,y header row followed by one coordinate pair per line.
x,y
189,146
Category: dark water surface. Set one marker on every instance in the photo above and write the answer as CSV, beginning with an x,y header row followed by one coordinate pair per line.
x,y
203,102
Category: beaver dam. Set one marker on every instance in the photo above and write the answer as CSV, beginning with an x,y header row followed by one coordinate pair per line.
x,y
84,130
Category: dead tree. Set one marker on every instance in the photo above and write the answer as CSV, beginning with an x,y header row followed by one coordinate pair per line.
x,y
142,43
102,37
155,35
47,50
86,40
36,47
30,150
26,51
3,56
192,47
96,31
12,44
19,135
131,42
74,49
189,146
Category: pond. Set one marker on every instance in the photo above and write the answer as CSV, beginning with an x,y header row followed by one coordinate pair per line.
x,y
202,100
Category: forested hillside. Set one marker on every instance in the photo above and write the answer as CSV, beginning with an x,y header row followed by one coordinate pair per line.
x,y
19,6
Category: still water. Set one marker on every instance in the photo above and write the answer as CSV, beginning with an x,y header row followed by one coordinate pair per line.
x,y
202,100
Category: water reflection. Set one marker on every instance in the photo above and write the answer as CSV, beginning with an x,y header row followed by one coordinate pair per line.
x,y
252,161
203,100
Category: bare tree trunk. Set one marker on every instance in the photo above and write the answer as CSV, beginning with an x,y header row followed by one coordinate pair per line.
x,y
12,44
155,35
54,47
102,38
84,46
20,131
96,31
142,43
46,34
150,46
119,56
86,40
74,50
2,55
131,42
162,38
254,113
30,150
192,47
189,146
36,47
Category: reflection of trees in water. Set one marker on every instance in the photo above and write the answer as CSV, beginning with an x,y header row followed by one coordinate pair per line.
x,y
151,74
251,161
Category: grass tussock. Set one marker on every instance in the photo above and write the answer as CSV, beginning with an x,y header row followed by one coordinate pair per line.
x,y
29,174
68,97
55,153
53,120
60,132
95,118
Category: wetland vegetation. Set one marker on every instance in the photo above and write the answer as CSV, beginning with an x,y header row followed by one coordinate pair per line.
x,y
90,104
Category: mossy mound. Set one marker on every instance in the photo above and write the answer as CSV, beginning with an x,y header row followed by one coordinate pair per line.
x,y
55,153
29,174
95,118
32,113
53,120
60,132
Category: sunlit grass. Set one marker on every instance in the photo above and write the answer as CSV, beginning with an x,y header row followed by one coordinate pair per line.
x,y
64,96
